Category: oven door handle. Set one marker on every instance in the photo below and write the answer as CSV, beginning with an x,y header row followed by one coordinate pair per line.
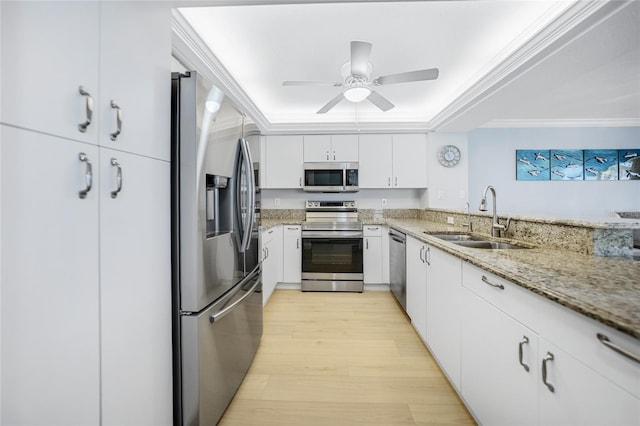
x,y
331,234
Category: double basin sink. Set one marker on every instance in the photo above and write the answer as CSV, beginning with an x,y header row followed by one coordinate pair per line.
x,y
473,241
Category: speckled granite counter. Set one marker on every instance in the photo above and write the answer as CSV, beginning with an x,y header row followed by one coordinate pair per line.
x,y
606,289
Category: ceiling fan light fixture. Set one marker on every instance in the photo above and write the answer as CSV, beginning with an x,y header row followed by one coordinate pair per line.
x,y
357,94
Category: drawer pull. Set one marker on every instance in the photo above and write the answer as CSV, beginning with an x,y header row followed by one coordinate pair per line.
x,y
373,228
546,359
486,280
605,341
525,340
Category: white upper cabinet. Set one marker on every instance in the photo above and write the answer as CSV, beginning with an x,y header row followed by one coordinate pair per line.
x,y
410,161
376,166
135,77
49,51
96,72
320,148
283,162
393,161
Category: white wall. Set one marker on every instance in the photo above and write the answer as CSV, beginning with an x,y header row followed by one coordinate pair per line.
x,y
448,186
492,154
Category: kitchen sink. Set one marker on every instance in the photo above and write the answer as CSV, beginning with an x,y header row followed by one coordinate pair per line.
x,y
474,241
488,245
456,237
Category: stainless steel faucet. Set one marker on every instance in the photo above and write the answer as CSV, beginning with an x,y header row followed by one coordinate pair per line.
x,y
467,224
495,226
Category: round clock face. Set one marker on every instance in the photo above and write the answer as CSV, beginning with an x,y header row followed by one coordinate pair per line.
x,y
449,156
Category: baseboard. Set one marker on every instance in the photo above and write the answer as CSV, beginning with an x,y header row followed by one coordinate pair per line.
x,y
367,287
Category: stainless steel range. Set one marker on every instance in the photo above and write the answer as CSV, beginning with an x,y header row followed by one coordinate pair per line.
x,y
332,247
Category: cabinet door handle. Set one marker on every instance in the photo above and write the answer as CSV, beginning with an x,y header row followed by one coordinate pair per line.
x,y
115,134
114,193
300,182
427,256
486,280
525,340
297,243
334,155
605,341
546,359
88,175
421,254
389,181
327,155
367,243
396,179
82,127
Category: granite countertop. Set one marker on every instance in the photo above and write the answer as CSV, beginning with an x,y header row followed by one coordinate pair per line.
x,y
606,289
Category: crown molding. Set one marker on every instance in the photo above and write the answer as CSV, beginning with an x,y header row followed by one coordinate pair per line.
x,y
189,48
569,25
572,122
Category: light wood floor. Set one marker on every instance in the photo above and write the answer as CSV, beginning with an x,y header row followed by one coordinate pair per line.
x,y
342,359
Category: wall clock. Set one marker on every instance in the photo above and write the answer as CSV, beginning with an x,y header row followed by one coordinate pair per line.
x,y
449,155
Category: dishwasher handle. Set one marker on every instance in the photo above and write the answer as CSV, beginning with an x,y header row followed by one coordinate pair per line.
x,y
397,236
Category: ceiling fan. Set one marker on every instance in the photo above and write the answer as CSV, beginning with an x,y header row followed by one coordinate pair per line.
x,y
357,79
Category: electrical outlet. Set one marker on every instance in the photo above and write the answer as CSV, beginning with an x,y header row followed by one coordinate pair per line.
x,y
384,201
450,220
276,202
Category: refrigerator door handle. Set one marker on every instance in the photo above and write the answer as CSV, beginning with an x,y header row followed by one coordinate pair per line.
x,y
251,194
218,316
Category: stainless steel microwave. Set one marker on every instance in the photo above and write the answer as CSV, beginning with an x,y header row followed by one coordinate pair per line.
x,y
330,177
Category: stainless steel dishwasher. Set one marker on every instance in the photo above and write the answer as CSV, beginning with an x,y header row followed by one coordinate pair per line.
x,y
397,266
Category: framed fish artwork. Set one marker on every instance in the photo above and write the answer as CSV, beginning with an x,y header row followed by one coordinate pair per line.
x,y
600,164
532,164
567,164
629,164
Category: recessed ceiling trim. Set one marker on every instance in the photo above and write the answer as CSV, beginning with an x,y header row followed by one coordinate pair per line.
x,y
345,128
600,122
573,22
189,48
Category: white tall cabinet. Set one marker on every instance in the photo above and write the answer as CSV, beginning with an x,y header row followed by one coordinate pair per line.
x,y
86,297
417,285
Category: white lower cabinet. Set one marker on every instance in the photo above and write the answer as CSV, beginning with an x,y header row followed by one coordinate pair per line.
x,y
135,290
271,245
498,384
417,285
292,254
50,370
444,284
86,291
375,264
580,396
572,378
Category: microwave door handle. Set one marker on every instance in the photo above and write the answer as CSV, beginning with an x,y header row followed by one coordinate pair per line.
x,y
248,225
344,179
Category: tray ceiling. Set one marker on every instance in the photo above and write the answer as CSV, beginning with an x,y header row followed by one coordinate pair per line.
x,y
480,47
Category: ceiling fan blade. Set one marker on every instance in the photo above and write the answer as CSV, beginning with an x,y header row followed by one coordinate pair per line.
x,y
360,52
333,102
406,77
380,101
311,83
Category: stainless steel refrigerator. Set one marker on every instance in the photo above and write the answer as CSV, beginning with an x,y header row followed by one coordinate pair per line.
x,y
217,284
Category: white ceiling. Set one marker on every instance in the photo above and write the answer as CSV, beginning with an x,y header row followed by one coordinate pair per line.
x,y
499,61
